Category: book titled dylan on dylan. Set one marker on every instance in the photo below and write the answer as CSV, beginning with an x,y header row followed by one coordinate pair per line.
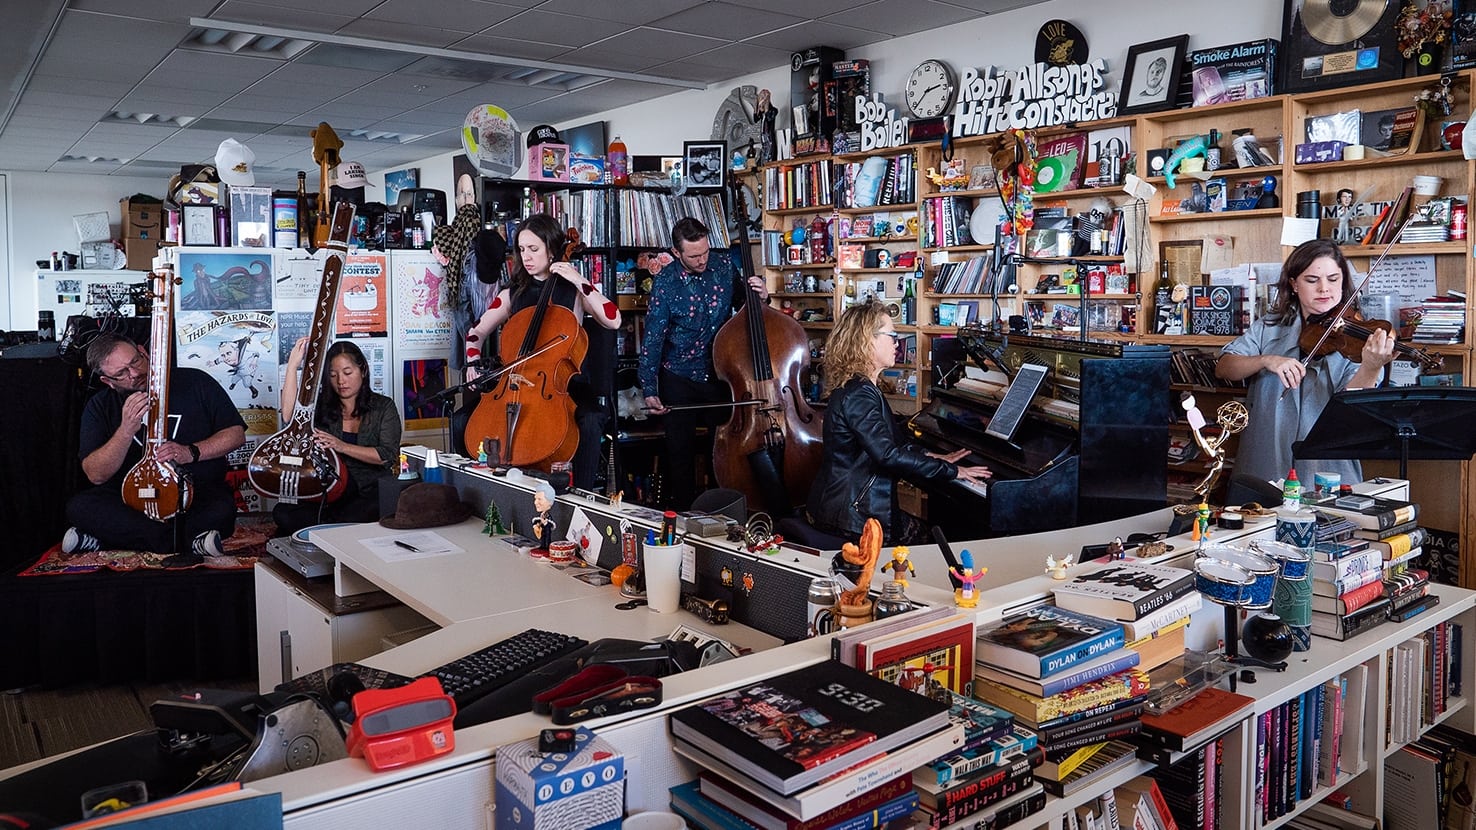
x,y
1045,640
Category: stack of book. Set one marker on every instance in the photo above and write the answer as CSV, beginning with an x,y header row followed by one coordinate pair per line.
x,y
1442,320
1151,602
1361,580
994,767
1065,676
1194,722
814,739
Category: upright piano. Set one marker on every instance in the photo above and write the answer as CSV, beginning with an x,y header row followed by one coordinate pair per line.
x,y
1091,447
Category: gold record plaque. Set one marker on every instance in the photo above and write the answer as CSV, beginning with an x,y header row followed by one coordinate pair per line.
x,y
1331,43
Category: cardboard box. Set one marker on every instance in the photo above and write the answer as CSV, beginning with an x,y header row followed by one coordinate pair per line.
x,y
574,791
141,221
141,253
1312,152
548,162
1233,73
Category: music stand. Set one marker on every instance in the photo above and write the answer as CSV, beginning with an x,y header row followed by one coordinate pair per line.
x,y
1419,422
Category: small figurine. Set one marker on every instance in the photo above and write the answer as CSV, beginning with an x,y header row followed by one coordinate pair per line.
x,y
900,561
864,555
405,472
1116,550
1057,570
543,526
494,525
967,596
482,453
1201,530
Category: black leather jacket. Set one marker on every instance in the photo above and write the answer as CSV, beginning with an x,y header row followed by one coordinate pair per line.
x,y
865,454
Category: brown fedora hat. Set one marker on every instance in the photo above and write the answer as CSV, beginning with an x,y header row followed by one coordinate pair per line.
x,y
427,505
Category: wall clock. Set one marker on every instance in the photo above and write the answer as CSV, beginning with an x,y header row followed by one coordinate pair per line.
x,y
930,89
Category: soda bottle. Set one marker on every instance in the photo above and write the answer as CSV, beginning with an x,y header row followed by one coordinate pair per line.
x,y
615,157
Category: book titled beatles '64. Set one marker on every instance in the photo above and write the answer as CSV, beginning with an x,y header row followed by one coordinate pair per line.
x,y
1045,640
1124,590
790,731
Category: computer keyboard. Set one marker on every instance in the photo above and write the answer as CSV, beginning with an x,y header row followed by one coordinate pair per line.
x,y
486,670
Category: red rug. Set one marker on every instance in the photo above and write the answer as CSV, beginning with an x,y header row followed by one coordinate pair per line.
x,y
242,551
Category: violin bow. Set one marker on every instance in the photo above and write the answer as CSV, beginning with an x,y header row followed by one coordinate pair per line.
x,y
1352,298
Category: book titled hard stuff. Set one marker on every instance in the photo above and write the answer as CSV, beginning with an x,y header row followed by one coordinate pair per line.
x,y
1047,640
793,730
1124,590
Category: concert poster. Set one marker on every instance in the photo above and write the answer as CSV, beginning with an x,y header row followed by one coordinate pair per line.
x,y
239,350
422,308
225,282
423,379
363,310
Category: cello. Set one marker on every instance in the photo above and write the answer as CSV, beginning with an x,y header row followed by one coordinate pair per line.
x,y
290,466
771,448
159,489
541,347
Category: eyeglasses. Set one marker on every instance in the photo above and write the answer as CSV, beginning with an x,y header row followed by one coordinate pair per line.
x,y
133,365
892,334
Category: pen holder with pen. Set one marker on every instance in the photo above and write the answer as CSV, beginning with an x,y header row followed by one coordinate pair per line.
x,y
662,567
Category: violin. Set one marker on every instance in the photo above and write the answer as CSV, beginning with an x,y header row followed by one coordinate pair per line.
x,y
541,347
1328,333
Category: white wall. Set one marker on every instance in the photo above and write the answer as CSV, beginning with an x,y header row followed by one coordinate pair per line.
x,y
41,205
40,210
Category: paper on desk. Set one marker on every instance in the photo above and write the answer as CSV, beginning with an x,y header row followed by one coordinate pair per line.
x,y
427,543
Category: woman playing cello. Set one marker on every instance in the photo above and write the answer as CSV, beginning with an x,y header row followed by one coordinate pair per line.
x,y
540,246
1285,395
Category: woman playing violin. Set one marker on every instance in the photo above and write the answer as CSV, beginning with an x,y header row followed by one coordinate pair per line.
x,y
1286,395
541,243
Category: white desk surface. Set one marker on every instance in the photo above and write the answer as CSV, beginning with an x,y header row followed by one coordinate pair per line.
x,y
490,578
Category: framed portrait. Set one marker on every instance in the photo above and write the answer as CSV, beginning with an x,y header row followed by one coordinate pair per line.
x,y
1151,82
705,165
197,225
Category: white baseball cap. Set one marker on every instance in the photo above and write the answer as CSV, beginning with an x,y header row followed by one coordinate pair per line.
x,y
351,174
233,162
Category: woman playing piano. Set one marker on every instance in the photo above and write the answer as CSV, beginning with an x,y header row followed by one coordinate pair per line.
x,y
865,452
1285,395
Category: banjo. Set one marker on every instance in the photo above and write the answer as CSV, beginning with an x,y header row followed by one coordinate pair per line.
x,y
155,488
290,466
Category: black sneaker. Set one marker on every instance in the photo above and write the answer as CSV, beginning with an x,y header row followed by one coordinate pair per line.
x,y
75,541
207,544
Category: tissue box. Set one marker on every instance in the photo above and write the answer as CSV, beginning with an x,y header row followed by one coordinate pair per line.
x,y
560,791
1312,152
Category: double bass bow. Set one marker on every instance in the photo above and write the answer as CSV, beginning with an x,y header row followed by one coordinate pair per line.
x,y
291,466
770,447
529,413
155,488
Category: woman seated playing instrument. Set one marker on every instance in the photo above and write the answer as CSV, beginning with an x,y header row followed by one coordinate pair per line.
x,y
865,451
1286,396
540,244
361,425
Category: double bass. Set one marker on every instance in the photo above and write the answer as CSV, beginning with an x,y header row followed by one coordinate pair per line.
x,y
529,413
159,489
771,448
290,466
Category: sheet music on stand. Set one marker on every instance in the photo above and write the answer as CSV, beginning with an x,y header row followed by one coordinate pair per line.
x,y
1011,411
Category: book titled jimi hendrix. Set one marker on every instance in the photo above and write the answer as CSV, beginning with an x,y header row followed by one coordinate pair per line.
x,y
790,731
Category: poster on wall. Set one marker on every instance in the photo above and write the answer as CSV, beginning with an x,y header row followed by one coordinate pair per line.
x,y
362,308
225,281
239,350
421,380
298,284
376,353
422,309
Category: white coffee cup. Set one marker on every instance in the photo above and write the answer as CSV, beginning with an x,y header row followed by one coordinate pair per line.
x,y
662,566
1353,152
654,821
1427,185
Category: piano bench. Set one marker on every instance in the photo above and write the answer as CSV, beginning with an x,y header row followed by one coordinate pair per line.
x,y
796,529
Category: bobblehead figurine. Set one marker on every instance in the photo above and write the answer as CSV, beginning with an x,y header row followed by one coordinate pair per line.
x,y
543,526
900,561
967,595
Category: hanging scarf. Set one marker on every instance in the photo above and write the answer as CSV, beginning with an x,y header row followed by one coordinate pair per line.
x,y
454,240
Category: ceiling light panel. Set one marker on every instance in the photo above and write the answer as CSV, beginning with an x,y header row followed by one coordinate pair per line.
x,y
404,33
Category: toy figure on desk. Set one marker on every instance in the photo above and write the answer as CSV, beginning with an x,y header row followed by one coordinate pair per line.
x,y
1201,530
406,474
543,526
482,453
967,595
1057,570
864,555
900,561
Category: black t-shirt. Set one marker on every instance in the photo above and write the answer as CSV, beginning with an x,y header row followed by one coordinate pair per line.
x,y
198,408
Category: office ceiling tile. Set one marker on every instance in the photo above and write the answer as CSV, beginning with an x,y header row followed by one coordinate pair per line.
x,y
726,20
346,8
693,71
812,9
630,11
314,18
994,6
743,57
550,27
452,15
173,11
504,47
808,34
903,17
661,45
603,56
410,33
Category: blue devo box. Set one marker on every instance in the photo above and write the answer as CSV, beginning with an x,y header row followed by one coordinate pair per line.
x,y
560,791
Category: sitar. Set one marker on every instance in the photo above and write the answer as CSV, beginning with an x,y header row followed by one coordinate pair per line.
x,y
290,466
159,489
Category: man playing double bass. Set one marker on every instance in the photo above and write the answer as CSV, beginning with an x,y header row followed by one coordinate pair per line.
x,y
691,299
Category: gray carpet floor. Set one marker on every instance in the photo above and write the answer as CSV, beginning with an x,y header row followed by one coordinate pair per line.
x,y
37,723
